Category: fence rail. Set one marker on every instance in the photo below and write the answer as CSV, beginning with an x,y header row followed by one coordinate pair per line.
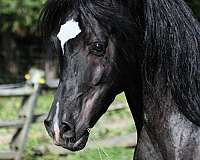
x,y
8,124
30,91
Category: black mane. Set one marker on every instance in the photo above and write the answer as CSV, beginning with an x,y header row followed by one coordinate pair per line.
x,y
172,57
57,12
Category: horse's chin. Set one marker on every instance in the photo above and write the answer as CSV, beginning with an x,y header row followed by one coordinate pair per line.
x,y
78,144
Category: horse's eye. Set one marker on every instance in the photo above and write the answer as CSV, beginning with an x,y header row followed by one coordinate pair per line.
x,y
98,49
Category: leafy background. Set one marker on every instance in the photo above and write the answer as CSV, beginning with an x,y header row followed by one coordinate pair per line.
x,y
18,15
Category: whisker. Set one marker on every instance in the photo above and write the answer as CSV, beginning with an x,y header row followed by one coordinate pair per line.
x,y
100,149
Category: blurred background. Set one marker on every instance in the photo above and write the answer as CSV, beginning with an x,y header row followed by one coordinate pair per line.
x,y
21,49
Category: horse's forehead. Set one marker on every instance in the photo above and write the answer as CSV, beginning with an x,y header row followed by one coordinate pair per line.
x,y
67,31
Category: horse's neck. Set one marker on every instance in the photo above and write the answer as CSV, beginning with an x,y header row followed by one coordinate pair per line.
x,y
134,99
172,63
166,130
162,126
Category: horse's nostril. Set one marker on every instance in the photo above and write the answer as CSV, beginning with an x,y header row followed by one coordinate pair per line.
x,y
47,123
67,130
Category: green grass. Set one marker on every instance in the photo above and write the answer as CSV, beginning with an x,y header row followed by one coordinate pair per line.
x,y
111,124
115,153
111,154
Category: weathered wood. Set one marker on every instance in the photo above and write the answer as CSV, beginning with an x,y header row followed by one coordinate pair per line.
x,y
12,86
19,123
52,84
30,92
39,117
23,91
14,123
20,138
7,155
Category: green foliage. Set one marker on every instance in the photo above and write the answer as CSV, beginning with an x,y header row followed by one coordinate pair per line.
x,y
115,153
110,153
22,15
19,15
12,106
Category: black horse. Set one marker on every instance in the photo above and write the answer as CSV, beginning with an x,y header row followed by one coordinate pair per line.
x,y
150,49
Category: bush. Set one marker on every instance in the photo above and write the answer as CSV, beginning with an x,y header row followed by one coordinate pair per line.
x,y
19,15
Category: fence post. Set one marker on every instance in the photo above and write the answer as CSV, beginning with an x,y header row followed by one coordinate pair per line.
x,y
30,93
26,113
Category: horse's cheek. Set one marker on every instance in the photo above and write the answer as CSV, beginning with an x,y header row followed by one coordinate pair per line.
x,y
97,75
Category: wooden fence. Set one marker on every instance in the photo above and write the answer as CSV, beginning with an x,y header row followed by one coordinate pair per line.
x,y
30,91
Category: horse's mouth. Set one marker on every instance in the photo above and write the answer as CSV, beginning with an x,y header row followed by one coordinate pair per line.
x,y
76,145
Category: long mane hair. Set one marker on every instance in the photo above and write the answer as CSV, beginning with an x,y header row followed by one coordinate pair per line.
x,y
172,57
57,12
171,41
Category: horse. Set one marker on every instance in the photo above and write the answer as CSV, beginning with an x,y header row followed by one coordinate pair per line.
x,y
150,49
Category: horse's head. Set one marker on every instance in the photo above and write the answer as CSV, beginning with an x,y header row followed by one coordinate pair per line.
x,y
92,73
